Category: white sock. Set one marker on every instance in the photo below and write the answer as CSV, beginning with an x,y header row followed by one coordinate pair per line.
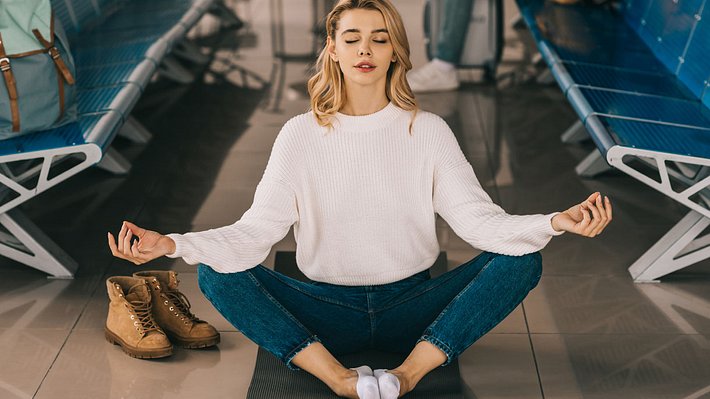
x,y
443,66
388,383
366,386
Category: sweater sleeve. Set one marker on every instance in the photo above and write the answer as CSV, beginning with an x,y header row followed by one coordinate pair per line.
x,y
247,242
461,201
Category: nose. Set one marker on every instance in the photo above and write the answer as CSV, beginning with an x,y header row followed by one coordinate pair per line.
x,y
365,50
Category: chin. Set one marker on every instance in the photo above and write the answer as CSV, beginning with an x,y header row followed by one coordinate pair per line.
x,y
365,80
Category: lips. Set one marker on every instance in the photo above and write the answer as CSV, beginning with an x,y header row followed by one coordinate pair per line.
x,y
365,67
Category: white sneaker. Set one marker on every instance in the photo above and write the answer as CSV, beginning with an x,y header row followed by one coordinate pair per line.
x,y
429,77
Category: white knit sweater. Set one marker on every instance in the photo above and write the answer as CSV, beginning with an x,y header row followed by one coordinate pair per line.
x,y
362,199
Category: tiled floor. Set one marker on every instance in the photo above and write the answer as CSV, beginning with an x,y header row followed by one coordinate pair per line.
x,y
586,331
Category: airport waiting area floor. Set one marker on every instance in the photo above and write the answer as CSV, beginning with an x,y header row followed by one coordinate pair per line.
x,y
586,331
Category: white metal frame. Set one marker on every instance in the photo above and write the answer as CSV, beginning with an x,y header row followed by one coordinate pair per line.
x,y
682,245
26,243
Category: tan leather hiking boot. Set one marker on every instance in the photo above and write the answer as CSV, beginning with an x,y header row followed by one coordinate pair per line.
x,y
130,322
171,310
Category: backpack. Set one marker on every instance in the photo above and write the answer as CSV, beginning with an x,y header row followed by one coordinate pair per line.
x,y
37,87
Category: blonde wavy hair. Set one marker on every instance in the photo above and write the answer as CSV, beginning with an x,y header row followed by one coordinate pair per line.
x,y
326,86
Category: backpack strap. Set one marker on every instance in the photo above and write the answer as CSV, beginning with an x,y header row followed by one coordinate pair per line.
x,y
11,86
62,70
54,52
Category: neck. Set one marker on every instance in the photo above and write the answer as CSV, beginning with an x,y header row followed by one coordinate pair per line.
x,y
364,100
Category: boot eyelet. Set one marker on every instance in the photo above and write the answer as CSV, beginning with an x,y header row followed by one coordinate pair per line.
x,y
171,308
133,317
166,303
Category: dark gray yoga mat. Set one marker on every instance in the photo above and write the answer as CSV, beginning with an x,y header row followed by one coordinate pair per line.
x,y
272,379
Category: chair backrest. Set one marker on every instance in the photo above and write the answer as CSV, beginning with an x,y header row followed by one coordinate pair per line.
x,y
667,27
85,12
695,69
678,33
634,11
65,14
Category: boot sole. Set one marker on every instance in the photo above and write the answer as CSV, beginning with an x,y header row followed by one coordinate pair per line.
x,y
193,343
137,352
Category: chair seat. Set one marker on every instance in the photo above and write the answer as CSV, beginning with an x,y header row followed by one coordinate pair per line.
x,y
658,137
137,72
96,56
641,107
96,129
659,84
120,98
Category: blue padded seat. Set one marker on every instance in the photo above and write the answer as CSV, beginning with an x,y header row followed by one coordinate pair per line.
x,y
643,107
119,98
681,140
96,56
138,73
633,81
97,129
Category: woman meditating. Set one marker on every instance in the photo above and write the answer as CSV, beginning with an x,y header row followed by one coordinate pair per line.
x,y
361,177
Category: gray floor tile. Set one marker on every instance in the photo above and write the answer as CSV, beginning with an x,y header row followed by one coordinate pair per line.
x,y
616,305
89,367
30,300
611,366
500,366
25,357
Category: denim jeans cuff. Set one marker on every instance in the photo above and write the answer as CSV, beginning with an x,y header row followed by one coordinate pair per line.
x,y
441,345
303,345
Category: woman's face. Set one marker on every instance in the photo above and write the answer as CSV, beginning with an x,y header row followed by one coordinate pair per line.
x,y
362,37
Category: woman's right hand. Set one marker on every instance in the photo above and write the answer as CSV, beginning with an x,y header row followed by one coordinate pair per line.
x,y
150,244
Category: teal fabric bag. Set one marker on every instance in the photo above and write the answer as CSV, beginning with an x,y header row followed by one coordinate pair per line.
x,y
37,87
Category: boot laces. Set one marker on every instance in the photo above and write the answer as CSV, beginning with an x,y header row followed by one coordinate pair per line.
x,y
182,304
143,313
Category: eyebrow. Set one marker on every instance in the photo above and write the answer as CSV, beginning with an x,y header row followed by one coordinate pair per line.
x,y
358,31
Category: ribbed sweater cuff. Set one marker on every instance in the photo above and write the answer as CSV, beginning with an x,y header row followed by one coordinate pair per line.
x,y
178,239
548,225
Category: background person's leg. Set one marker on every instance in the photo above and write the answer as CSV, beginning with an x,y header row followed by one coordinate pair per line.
x,y
452,32
453,310
440,73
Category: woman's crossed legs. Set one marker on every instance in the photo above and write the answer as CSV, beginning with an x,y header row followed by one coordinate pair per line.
x,y
433,320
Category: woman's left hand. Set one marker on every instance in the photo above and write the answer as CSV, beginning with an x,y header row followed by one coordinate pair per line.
x,y
588,218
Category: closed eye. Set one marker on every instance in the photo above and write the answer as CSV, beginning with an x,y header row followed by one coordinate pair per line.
x,y
376,41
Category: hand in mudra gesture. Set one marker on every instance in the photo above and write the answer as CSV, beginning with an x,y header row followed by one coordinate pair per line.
x,y
588,218
150,244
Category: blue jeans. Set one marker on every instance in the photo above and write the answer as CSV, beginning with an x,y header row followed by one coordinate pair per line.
x,y
452,32
451,311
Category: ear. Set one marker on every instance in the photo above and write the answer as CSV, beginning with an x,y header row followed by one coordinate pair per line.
x,y
331,49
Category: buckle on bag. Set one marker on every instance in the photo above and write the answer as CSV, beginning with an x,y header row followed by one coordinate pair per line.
x,y
4,64
53,52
